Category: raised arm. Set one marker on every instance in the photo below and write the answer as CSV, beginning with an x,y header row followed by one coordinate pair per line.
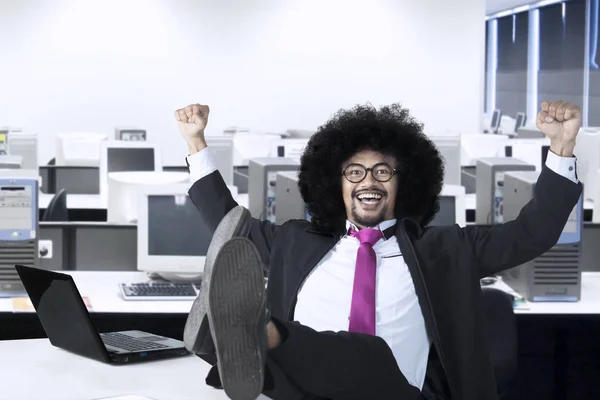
x,y
209,193
542,220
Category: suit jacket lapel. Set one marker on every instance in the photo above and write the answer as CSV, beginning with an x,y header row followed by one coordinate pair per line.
x,y
317,244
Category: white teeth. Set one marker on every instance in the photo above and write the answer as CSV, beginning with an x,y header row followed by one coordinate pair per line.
x,y
366,196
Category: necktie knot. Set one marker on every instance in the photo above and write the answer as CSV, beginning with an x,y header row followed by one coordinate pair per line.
x,y
367,235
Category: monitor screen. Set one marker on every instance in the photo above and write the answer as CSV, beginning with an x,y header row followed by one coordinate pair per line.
x,y
520,121
495,119
447,213
122,159
175,227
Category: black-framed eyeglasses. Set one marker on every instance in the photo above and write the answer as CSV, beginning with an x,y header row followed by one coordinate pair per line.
x,y
356,173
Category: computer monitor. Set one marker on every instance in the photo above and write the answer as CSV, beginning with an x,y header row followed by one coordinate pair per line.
x,y
507,126
496,120
123,189
520,121
221,149
452,207
288,148
173,238
532,151
122,156
79,149
18,230
248,145
24,145
587,151
475,146
450,148
130,134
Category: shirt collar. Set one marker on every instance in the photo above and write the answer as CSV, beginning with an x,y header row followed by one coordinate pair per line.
x,y
382,226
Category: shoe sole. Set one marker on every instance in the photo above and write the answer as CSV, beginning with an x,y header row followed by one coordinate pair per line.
x,y
236,317
196,337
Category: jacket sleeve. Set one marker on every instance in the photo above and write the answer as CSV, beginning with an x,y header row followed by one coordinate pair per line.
x,y
213,200
536,229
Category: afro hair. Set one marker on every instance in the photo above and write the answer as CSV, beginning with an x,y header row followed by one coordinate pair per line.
x,y
390,130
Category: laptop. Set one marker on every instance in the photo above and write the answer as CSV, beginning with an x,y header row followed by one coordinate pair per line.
x,y
69,326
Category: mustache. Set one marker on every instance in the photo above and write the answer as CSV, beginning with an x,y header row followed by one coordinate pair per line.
x,y
370,190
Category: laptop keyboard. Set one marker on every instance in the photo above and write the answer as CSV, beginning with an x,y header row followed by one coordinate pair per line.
x,y
128,343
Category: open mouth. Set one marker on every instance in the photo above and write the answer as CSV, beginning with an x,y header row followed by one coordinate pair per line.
x,y
369,197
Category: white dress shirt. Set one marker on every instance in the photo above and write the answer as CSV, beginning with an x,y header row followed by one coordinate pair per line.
x,y
325,297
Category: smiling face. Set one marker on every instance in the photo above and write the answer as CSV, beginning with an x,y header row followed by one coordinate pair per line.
x,y
369,202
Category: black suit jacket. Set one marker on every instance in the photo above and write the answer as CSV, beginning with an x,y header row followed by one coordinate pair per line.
x,y
445,263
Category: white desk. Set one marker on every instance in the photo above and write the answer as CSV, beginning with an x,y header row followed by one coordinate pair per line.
x,y
96,202
471,202
589,303
102,290
75,201
35,370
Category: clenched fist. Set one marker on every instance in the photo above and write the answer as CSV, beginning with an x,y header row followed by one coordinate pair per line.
x,y
560,122
192,121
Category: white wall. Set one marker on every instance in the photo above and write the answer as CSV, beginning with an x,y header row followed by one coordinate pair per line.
x,y
90,65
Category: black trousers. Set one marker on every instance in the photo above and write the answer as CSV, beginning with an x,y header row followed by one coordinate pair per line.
x,y
311,365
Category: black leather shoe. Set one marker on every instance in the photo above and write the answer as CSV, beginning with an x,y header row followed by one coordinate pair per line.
x,y
237,316
196,334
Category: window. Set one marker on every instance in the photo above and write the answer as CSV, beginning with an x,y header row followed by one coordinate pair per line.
x,y
562,52
594,64
486,76
511,73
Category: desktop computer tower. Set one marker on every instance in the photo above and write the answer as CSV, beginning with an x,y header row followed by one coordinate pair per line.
x,y
19,232
489,187
290,204
556,274
262,181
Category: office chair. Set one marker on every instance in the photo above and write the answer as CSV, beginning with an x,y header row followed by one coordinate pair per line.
x,y
501,328
57,208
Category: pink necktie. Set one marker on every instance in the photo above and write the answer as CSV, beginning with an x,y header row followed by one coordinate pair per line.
x,y
362,311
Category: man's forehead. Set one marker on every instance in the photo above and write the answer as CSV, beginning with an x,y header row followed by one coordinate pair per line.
x,y
369,157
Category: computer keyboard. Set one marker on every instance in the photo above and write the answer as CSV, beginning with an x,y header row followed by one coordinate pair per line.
x,y
158,291
124,342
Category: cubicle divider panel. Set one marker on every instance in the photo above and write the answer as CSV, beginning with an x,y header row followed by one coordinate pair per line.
x,y
95,246
105,247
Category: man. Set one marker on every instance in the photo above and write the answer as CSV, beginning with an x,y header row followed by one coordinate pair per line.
x,y
366,300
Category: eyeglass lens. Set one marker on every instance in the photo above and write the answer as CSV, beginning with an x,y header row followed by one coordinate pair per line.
x,y
357,172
